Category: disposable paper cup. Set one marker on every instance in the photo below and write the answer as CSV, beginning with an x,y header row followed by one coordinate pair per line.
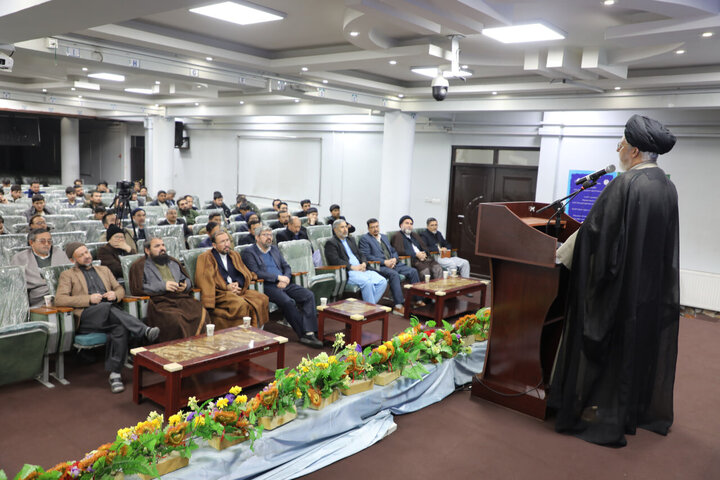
x,y
48,300
210,329
323,301
445,274
453,272
246,321
427,278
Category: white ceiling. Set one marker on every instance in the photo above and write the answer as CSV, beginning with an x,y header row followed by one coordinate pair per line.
x,y
630,45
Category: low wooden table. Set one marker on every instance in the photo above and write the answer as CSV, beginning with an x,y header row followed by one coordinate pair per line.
x,y
354,314
195,366
449,295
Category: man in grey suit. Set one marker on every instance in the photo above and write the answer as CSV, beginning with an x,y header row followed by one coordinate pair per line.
x,y
41,254
376,247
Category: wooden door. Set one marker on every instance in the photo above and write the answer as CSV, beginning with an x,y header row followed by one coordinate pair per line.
x,y
472,184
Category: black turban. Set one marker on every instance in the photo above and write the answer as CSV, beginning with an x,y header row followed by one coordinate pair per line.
x,y
112,230
405,217
648,135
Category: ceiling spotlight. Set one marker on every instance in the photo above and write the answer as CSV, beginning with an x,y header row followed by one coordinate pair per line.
x,y
354,34
197,104
325,81
304,69
84,69
157,82
242,102
679,52
494,93
72,89
464,67
157,105
297,100
393,62
617,88
400,95
79,96
44,90
209,59
607,3
707,34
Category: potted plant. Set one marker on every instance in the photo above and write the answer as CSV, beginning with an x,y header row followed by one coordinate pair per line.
x,y
358,376
274,405
320,380
483,317
223,422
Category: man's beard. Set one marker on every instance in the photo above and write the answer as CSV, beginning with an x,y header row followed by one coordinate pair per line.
x,y
162,259
407,231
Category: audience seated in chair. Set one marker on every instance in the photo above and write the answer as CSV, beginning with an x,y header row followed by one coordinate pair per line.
x,y
304,207
219,204
138,217
293,231
250,239
212,228
335,215
94,294
16,193
241,199
110,218
172,307
110,253
342,250
407,242
160,200
186,212
296,303
99,212
34,189
171,218
434,239
71,200
37,221
224,283
95,200
312,216
282,221
3,230
143,194
38,207
102,187
41,254
376,247
3,200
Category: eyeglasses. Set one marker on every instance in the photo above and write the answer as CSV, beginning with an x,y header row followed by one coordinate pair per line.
x,y
44,241
620,145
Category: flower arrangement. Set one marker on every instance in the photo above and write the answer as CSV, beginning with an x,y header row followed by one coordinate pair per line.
x,y
435,344
320,377
483,317
224,419
277,398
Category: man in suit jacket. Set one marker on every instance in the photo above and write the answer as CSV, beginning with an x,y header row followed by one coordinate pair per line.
x,y
293,231
434,239
224,282
408,242
171,218
296,303
94,294
42,253
160,200
281,222
376,247
341,250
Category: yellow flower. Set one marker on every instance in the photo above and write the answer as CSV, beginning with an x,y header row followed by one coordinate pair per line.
x,y
305,369
240,399
199,420
235,390
174,419
192,403
298,393
332,359
222,403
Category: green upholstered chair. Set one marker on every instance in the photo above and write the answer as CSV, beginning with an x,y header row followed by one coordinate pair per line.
x,y
60,239
156,210
202,220
237,236
340,271
189,259
268,216
60,221
92,228
195,240
275,232
93,248
258,285
172,246
298,254
162,231
318,231
11,220
403,258
135,306
197,227
78,213
233,226
25,346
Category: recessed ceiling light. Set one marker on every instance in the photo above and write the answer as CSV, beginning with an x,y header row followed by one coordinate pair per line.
x,y
354,34
325,81
532,32
44,90
297,100
209,59
197,103
304,69
607,3
72,89
707,34
157,104
84,69
79,96
464,67
393,62
494,93
432,72
242,102
679,52
617,88
142,91
157,82
86,85
243,13
108,76
400,95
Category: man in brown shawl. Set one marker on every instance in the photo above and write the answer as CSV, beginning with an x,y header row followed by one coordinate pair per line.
x,y
172,306
224,280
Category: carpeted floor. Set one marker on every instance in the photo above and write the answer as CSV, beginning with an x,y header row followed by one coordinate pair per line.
x,y
457,438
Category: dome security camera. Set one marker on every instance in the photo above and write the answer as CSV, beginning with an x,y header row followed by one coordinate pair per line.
x,y
440,87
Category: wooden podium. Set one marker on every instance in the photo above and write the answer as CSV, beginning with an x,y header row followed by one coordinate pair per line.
x,y
527,303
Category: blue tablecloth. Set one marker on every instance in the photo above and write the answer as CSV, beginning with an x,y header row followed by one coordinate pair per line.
x,y
318,438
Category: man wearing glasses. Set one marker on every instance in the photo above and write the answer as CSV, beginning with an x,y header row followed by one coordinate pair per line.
x,y
615,370
41,254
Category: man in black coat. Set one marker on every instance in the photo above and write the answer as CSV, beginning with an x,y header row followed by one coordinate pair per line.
x,y
293,231
434,239
408,242
296,303
616,364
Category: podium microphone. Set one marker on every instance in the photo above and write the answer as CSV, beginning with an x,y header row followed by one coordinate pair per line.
x,y
594,176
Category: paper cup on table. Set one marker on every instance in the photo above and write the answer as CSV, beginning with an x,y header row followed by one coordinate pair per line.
x,y
210,329
427,278
323,301
246,321
48,300
453,272
445,275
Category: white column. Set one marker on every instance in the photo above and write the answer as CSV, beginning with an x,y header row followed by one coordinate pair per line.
x,y
69,150
159,145
397,154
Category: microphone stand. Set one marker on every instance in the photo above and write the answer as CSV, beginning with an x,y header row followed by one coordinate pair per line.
x,y
560,204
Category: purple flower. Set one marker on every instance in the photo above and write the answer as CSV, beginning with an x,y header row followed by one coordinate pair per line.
x,y
230,397
358,348
190,416
458,336
74,471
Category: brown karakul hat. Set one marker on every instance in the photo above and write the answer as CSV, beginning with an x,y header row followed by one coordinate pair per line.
x,y
71,247
648,135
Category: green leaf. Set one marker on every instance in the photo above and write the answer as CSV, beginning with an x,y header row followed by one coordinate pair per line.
x,y
26,470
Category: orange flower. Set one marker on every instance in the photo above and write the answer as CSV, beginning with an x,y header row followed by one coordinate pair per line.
x,y
175,436
314,396
144,427
225,417
391,348
448,338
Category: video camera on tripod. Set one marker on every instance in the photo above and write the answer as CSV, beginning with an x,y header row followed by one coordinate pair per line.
x,y
124,189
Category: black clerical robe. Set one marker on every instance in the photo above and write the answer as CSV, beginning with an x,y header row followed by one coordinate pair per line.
x,y
616,365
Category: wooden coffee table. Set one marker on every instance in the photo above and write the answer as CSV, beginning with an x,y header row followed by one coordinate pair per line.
x,y
449,295
354,314
198,366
